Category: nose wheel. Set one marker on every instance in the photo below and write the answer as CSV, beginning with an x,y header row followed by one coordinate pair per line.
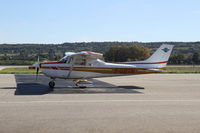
x,y
51,85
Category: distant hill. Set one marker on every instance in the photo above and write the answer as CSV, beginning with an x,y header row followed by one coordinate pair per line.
x,y
12,53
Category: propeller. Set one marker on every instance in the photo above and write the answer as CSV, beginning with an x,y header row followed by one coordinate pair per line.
x,y
37,71
37,65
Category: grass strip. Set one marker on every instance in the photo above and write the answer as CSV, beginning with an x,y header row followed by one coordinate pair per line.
x,y
23,70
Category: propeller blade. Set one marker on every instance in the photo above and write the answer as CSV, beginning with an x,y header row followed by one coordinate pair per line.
x,y
37,71
37,65
38,60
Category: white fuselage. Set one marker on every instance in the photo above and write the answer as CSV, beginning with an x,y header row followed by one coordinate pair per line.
x,y
97,69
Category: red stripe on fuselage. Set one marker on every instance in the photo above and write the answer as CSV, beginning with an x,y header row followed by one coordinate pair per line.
x,y
54,68
59,62
142,62
51,62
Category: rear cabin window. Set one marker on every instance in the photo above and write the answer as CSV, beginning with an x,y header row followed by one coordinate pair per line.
x,y
80,61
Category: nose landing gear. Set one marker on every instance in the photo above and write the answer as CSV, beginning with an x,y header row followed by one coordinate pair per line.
x,y
51,85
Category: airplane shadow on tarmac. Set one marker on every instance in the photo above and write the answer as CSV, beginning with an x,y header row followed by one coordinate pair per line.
x,y
27,85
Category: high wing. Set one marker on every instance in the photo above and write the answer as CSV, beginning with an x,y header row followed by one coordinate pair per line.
x,y
87,54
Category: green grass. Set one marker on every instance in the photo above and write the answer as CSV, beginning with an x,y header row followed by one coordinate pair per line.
x,y
183,69
180,72
170,69
23,70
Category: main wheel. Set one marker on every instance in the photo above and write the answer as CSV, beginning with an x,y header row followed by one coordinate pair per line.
x,y
51,84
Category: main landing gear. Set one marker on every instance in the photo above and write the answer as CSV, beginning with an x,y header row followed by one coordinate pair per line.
x,y
82,83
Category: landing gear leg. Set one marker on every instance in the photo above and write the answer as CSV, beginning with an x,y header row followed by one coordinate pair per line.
x,y
82,83
51,85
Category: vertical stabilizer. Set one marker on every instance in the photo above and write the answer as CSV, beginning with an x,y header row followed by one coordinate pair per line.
x,y
162,54
158,59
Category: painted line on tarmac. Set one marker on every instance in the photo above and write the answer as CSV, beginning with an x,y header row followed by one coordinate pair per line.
x,y
96,101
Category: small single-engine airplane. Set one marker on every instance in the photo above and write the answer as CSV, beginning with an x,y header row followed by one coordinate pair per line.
x,y
83,65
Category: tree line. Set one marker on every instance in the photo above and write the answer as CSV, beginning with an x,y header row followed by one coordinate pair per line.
x,y
135,53
182,59
126,53
19,54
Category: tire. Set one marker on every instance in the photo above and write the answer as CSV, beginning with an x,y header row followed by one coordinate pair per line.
x,y
51,84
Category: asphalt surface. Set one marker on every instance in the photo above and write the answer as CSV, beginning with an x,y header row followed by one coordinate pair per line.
x,y
143,103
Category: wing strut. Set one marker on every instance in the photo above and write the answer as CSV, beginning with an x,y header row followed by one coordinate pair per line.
x,y
71,67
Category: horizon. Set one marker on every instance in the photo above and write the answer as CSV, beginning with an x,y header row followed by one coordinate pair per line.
x,y
104,42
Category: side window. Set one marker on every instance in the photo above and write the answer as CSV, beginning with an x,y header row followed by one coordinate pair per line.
x,y
80,61
90,63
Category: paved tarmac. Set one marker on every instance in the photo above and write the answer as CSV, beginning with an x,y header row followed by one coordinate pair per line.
x,y
151,103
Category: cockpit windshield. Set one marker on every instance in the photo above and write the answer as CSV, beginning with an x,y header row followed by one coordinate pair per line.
x,y
66,59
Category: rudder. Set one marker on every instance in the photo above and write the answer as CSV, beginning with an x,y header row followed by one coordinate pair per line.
x,y
162,54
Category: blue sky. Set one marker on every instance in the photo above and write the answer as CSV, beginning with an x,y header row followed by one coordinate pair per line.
x,y
58,21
